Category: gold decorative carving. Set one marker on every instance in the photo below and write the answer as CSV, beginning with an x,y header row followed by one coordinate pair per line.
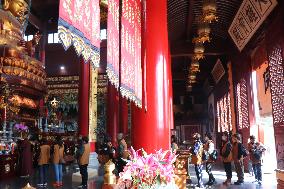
x,y
109,177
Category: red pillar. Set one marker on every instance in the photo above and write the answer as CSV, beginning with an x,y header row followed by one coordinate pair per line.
x,y
150,126
123,112
84,98
112,113
170,88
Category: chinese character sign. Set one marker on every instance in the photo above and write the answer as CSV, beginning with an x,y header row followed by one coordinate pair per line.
x,y
79,25
113,42
248,19
131,72
93,104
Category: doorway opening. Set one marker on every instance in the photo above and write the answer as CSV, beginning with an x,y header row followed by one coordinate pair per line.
x,y
263,128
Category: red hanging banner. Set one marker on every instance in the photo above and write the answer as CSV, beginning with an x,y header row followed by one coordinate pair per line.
x,y
131,71
79,24
113,42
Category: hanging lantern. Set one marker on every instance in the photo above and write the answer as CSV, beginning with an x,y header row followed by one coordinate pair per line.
x,y
191,76
195,64
191,81
203,32
209,10
198,51
198,56
189,88
199,48
194,69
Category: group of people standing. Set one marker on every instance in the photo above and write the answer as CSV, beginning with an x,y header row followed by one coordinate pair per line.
x,y
55,154
203,153
232,151
47,153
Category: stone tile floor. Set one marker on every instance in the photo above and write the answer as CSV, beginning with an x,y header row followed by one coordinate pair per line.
x,y
269,180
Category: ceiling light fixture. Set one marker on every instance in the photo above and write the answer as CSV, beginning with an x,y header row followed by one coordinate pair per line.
x,y
209,9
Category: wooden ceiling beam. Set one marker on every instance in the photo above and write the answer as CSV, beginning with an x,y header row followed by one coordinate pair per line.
x,y
191,54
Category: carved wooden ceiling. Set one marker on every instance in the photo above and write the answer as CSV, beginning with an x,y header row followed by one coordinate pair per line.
x,y
182,25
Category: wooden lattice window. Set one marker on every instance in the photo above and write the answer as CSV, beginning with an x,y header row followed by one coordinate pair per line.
x,y
224,114
242,104
277,85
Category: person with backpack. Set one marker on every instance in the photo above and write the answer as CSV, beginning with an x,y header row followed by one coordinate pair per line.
x,y
210,152
227,156
256,150
239,152
58,161
196,158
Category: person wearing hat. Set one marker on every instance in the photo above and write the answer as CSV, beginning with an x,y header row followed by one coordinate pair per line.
x,y
227,156
256,150
196,158
239,152
209,150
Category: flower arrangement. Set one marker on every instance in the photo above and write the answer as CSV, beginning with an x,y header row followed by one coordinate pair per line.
x,y
148,171
21,128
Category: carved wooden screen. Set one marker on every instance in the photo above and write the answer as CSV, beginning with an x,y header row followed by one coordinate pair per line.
x,y
224,114
242,104
277,85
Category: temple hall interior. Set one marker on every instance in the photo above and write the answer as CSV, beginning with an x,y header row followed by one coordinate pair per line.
x,y
143,94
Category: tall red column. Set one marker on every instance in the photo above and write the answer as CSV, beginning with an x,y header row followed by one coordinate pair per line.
x,y
112,113
151,125
84,98
123,119
170,88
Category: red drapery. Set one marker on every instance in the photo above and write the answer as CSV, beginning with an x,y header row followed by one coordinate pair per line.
x,y
113,42
79,24
131,71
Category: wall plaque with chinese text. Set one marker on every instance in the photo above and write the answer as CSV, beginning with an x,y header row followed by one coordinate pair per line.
x,y
249,17
218,71
93,104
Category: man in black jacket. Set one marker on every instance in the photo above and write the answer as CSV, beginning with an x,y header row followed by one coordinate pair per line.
x,y
239,152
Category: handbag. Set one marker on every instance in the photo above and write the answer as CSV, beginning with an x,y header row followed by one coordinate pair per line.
x,y
214,155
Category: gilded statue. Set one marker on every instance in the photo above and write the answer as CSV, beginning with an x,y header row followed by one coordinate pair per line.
x,y
18,8
18,56
13,19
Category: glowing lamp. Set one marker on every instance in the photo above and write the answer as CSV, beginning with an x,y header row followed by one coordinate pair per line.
x,y
203,32
198,56
199,48
209,10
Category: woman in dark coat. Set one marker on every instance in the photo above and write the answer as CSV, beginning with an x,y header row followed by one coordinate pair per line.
x,y
25,157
